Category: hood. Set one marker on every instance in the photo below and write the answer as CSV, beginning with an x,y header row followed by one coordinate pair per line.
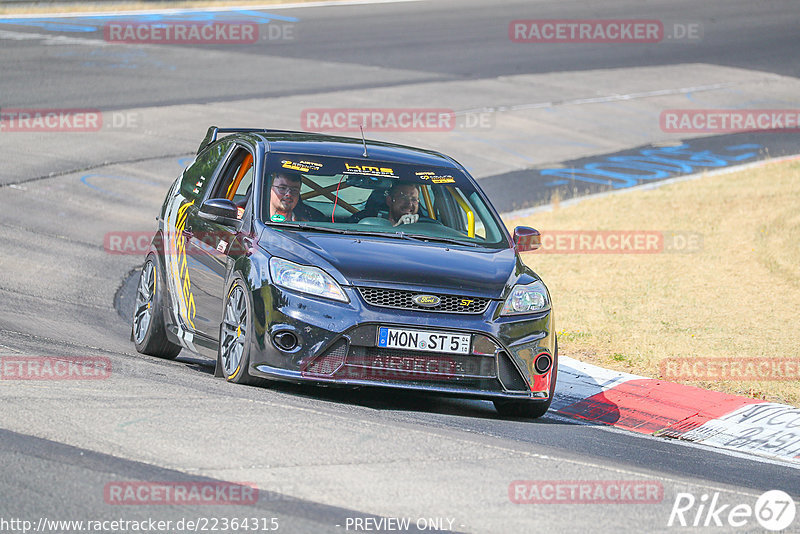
x,y
402,264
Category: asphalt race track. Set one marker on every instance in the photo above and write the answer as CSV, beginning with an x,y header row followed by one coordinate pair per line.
x,y
324,458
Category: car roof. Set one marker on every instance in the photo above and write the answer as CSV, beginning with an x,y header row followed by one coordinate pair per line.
x,y
291,142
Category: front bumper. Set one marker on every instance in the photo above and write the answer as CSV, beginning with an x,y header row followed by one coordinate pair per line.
x,y
337,345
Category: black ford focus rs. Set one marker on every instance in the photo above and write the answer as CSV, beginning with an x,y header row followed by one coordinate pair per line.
x,y
312,258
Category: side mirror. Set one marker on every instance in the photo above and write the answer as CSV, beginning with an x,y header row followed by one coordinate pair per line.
x,y
526,239
220,210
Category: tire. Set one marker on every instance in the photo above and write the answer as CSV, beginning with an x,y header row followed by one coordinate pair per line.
x,y
527,408
233,353
148,331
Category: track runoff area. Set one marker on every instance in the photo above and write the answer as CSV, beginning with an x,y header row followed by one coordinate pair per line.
x,y
654,407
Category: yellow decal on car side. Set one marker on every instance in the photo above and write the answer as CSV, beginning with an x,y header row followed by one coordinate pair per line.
x,y
182,274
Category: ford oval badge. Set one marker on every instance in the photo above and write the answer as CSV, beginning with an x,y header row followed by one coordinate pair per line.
x,y
426,301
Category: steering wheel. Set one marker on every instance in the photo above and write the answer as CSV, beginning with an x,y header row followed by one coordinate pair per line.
x,y
375,221
429,221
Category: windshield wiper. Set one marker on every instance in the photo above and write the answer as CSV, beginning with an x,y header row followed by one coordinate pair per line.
x,y
402,235
312,228
305,226
440,239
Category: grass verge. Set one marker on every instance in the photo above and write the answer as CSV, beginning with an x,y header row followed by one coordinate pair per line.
x,y
737,297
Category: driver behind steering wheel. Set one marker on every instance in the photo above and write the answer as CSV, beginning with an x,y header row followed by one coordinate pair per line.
x,y
403,202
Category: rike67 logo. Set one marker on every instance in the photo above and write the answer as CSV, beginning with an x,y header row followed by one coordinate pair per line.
x,y
774,511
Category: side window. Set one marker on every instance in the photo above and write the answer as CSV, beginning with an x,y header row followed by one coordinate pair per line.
x,y
471,219
236,179
460,212
197,176
242,192
447,211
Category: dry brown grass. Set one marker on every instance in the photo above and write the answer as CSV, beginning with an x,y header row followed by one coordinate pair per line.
x,y
55,7
737,297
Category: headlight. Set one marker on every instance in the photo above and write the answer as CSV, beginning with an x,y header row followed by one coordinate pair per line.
x,y
305,279
527,299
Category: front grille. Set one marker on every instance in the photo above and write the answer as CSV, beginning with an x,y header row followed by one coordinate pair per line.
x,y
397,298
396,364
354,357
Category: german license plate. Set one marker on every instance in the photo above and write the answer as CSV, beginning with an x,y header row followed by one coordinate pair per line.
x,y
399,338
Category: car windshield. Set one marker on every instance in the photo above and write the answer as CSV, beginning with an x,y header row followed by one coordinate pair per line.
x,y
369,197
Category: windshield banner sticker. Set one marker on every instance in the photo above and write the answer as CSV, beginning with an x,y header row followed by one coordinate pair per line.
x,y
302,166
368,170
436,178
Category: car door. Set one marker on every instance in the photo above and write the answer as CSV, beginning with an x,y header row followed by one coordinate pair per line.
x,y
179,211
209,243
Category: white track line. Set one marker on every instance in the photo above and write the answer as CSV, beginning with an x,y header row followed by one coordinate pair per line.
x,y
218,9
600,99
